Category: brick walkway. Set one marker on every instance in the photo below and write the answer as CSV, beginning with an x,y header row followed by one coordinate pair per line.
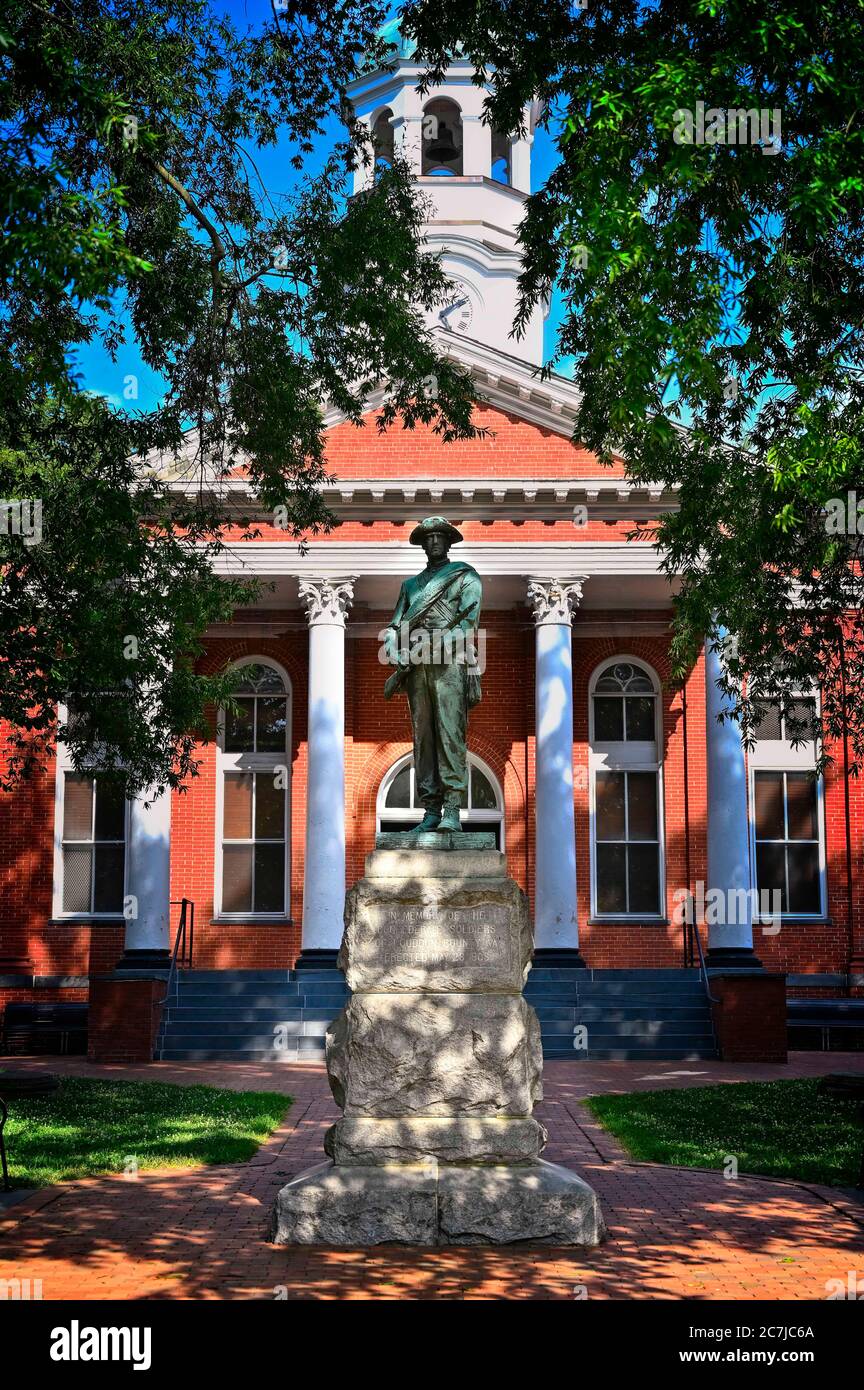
x,y
674,1233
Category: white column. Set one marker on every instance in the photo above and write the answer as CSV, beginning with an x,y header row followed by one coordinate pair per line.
x,y
327,602
520,163
147,907
476,146
729,902
555,916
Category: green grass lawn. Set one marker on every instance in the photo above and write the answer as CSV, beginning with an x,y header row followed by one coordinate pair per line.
x,y
784,1129
90,1127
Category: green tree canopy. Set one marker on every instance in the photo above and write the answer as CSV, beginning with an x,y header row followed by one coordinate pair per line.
x,y
705,226
134,213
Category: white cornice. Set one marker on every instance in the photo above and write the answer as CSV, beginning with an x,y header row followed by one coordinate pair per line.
x,y
372,558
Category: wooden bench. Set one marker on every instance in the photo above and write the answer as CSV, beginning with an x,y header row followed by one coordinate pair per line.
x,y
824,1017
44,1028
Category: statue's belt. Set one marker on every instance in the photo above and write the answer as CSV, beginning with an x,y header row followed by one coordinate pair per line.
x,y
417,610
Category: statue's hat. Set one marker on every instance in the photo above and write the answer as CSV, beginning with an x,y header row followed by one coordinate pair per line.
x,y
435,523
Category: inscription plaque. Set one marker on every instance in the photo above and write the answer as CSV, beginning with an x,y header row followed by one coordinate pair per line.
x,y
431,936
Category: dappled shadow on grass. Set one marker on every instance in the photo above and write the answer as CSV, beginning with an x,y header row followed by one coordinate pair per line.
x,y
89,1127
783,1129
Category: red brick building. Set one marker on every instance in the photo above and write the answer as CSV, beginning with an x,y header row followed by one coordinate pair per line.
x,y
663,799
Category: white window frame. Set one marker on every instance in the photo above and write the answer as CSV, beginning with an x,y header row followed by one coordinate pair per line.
x,y
624,756
415,813
248,763
778,755
63,766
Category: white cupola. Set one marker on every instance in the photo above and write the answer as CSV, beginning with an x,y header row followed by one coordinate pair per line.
x,y
476,179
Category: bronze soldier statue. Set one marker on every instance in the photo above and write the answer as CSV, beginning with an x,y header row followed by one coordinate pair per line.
x,y
432,642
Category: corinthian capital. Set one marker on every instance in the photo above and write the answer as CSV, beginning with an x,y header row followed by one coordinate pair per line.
x,y
327,600
553,600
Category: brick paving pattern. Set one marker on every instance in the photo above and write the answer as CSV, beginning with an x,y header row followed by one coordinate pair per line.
x,y
674,1233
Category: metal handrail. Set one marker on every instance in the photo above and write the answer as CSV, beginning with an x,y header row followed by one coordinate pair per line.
x,y
180,953
691,935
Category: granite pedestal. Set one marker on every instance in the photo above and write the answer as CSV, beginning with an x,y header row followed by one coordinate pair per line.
x,y
436,1065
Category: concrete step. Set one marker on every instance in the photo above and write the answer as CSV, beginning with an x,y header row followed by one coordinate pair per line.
x,y
218,1002
265,976
176,1015
666,973
305,1049
592,1013
240,1037
643,1054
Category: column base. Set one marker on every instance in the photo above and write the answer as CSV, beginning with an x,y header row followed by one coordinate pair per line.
x,y
732,958
152,962
559,958
316,959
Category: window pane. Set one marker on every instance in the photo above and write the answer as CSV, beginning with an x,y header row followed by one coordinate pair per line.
x,y
272,723
644,878
640,719
482,795
77,808
801,712
608,720
259,680
237,819
110,810
237,878
769,724
610,805
399,791
642,805
771,871
803,863
801,806
238,728
611,871
769,806
269,808
108,879
76,879
269,878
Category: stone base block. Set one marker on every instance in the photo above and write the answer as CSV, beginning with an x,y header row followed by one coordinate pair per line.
x,y
327,1205
426,1205
464,1139
395,1056
538,1202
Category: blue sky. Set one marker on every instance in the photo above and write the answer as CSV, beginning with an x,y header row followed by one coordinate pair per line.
x,y
112,379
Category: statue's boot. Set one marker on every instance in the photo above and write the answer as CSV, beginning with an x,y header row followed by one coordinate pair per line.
x,y
430,821
450,819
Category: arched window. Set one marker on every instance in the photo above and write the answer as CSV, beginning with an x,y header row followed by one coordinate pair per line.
x,y
626,800
253,796
382,139
442,137
787,811
482,809
501,170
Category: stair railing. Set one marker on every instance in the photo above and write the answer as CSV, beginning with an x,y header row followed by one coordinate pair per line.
x,y
693,954
184,946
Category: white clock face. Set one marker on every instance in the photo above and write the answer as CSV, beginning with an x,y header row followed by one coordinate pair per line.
x,y
458,313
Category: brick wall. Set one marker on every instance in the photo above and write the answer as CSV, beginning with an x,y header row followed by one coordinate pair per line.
x,y
377,733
